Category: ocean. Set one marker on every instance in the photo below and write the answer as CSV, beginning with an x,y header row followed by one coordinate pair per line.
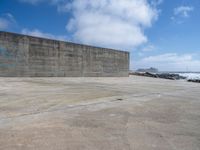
x,y
190,75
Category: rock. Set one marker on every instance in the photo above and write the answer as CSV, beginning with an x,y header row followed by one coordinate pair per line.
x,y
161,75
170,76
147,74
194,80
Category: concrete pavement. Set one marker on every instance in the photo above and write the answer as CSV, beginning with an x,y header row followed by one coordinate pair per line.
x,y
135,113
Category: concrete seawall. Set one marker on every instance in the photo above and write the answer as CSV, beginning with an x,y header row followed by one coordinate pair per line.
x,y
27,56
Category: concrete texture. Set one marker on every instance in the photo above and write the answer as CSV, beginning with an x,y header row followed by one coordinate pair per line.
x,y
26,56
135,113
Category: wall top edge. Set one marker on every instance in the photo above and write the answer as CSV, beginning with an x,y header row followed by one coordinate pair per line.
x,y
67,42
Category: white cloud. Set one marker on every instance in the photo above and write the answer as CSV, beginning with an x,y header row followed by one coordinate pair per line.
x,y
116,24
169,62
183,11
6,21
66,7
156,2
168,57
111,23
149,47
34,2
39,33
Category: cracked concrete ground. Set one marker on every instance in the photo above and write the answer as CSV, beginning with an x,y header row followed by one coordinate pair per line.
x,y
135,113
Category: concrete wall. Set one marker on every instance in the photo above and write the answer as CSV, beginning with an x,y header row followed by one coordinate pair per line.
x,y
22,55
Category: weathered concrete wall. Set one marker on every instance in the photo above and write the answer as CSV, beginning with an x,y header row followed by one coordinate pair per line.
x,y
22,55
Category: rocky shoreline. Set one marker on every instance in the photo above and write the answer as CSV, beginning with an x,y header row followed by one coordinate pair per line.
x,y
194,80
168,76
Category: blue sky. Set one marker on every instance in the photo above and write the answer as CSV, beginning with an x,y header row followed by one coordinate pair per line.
x,y
159,33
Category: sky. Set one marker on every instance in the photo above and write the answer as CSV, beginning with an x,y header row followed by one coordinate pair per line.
x,y
164,34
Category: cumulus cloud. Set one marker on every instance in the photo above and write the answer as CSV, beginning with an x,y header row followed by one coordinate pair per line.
x,y
111,23
170,62
34,2
183,11
38,33
6,21
116,24
155,2
31,1
148,48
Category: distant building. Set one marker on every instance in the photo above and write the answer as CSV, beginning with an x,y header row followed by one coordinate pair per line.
x,y
27,56
151,70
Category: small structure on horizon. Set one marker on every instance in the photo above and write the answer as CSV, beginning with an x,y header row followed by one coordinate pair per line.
x,y
151,70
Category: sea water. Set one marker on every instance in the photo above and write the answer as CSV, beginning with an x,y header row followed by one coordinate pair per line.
x,y
190,75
